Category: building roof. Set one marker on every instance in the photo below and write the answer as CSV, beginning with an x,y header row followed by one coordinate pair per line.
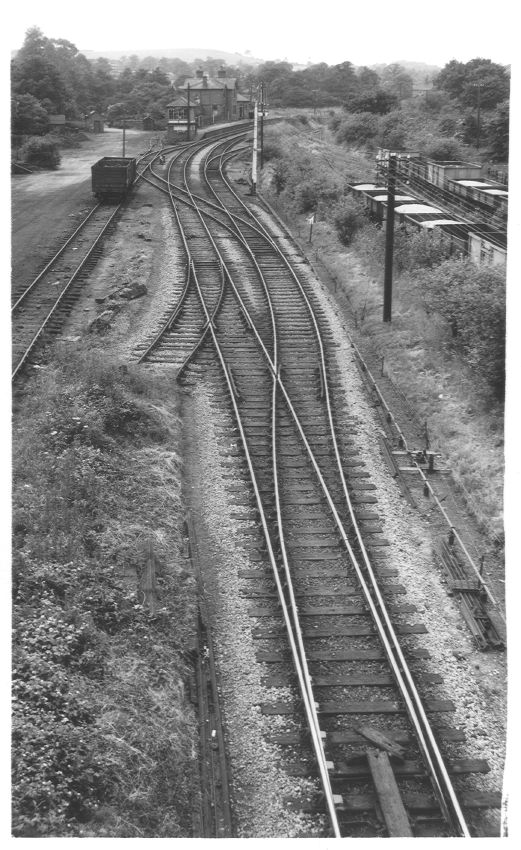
x,y
243,98
416,209
438,222
211,83
501,192
396,198
179,101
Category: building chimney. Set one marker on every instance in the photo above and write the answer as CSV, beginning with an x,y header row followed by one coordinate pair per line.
x,y
199,73
205,81
221,73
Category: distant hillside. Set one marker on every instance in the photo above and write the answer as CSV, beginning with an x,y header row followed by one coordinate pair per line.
x,y
187,54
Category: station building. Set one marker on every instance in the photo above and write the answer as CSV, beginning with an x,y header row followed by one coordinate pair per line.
x,y
209,99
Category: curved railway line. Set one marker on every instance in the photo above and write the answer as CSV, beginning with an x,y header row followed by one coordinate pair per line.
x,y
327,615
329,604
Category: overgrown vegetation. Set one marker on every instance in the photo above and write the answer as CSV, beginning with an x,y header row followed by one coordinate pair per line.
x,y
472,300
103,734
41,150
445,346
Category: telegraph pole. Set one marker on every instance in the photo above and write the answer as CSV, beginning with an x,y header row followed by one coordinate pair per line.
x,y
188,112
262,127
124,128
389,238
254,161
478,87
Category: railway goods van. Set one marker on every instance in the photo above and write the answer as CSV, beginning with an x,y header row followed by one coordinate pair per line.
x,y
112,177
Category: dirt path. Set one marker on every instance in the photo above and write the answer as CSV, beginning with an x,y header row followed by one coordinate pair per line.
x,y
46,205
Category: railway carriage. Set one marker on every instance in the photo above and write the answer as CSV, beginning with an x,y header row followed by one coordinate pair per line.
x,y
112,178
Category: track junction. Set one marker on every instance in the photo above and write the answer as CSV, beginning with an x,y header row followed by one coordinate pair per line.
x,y
328,617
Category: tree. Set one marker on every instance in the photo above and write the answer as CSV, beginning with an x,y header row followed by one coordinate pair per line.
x,y
472,300
103,84
357,129
497,132
379,102
443,149
341,81
396,80
368,79
477,80
28,117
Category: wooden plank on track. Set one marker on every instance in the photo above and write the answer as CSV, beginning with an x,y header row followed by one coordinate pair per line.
x,y
388,794
352,803
381,740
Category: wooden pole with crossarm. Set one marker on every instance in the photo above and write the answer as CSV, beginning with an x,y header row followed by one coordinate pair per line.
x,y
389,238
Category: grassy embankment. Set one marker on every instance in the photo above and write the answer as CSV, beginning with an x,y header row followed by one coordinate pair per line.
x,y
103,731
447,362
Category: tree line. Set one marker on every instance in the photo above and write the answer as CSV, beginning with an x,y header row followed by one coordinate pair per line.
x,y
50,76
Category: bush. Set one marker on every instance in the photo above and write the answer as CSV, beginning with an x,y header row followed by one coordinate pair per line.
x,y
419,249
357,129
472,299
441,149
348,216
312,194
42,151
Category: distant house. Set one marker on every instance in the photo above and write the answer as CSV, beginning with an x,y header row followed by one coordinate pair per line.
x,y
245,106
57,123
216,97
181,117
94,122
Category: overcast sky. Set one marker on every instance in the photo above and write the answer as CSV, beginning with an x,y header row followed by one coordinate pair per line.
x,y
363,32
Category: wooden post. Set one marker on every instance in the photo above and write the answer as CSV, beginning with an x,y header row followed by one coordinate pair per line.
x,y
254,160
148,580
389,239
188,112
311,223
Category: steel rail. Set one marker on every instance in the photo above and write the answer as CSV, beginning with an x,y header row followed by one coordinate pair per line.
x,y
234,218
439,776
302,675
206,328
296,645
58,301
426,480
51,262
441,780
412,701
171,319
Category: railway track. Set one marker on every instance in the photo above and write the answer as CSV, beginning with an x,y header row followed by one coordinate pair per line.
x,y
39,308
332,628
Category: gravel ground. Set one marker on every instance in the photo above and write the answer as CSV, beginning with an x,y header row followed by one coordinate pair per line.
x,y
475,681
259,784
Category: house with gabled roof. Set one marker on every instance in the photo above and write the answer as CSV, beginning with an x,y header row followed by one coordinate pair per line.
x,y
181,117
215,97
